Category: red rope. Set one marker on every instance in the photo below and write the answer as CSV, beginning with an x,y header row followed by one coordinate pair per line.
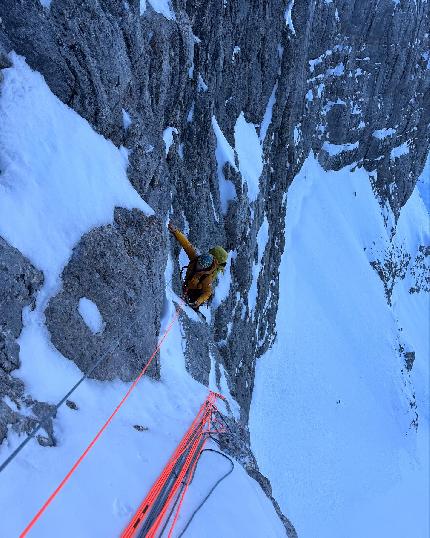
x,y
105,425
193,441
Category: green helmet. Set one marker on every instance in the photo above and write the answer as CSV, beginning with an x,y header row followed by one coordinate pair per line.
x,y
219,254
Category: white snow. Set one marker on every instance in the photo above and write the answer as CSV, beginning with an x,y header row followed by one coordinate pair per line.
x,y
224,154
288,17
168,137
46,3
380,134
126,120
250,154
267,118
330,414
336,149
399,151
91,315
59,178
163,7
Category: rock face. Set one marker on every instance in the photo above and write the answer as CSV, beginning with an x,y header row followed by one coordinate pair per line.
x,y
19,283
120,268
349,81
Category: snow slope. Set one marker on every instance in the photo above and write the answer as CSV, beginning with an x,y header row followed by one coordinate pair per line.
x,y
60,179
330,395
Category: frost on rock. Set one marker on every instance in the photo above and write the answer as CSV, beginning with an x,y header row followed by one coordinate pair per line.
x,y
91,315
126,119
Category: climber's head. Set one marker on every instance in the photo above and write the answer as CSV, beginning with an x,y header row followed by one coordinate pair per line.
x,y
220,255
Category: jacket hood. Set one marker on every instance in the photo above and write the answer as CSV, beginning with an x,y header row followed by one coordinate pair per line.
x,y
220,254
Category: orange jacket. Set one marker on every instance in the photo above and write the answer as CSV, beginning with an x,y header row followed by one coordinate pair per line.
x,y
204,284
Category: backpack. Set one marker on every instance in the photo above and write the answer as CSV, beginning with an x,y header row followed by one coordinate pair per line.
x,y
198,269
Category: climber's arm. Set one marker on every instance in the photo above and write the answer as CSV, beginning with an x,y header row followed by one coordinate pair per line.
x,y
183,241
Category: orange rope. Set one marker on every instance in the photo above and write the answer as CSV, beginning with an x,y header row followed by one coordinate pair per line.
x,y
105,425
196,435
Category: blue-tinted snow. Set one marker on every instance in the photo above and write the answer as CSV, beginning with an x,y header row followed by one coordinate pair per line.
x,y
168,137
336,149
224,154
399,151
250,155
380,134
330,416
268,113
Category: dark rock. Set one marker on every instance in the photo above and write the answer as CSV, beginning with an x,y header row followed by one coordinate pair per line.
x,y
72,405
120,268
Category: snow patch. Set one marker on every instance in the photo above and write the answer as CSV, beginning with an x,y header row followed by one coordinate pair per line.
x,y
224,154
201,84
262,239
190,114
399,151
331,390
250,154
168,137
336,149
91,315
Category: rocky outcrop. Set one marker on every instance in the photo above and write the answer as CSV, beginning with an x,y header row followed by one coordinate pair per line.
x,y
19,283
120,268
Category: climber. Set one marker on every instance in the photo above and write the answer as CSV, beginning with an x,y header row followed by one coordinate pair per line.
x,y
202,271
